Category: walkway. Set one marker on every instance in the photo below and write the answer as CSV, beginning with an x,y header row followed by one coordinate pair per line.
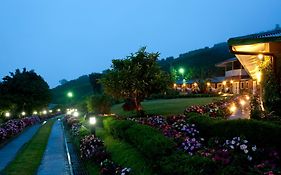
x,y
9,151
55,158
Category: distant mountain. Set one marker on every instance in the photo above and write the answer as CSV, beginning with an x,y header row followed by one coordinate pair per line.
x,y
199,63
80,87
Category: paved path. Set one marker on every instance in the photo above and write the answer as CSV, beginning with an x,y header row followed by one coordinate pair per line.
x,y
55,161
9,151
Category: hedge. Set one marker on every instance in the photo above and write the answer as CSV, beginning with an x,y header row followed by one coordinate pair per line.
x,y
149,141
258,132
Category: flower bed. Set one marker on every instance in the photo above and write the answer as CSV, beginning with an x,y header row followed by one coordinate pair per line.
x,y
15,126
228,152
93,149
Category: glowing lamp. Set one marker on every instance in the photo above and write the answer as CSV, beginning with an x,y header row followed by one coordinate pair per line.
x,y
242,102
7,114
92,120
70,94
44,112
181,70
260,56
75,114
224,83
23,113
35,112
247,97
58,110
231,81
232,108
208,84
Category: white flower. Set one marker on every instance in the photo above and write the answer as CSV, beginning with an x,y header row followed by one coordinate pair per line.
x,y
254,148
246,151
249,158
232,147
243,147
245,141
232,142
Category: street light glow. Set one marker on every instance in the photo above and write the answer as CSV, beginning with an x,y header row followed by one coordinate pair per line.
x,y
35,113
232,108
75,114
181,70
44,112
92,120
70,94
23,113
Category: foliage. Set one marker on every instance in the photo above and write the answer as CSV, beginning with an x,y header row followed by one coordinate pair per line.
x,y
24,90
260,132
192,62
135,77
94,80
80,87
150,142
180,163
100,104
256,112
271,91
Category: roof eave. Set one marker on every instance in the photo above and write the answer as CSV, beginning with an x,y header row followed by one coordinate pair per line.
x,y
241,41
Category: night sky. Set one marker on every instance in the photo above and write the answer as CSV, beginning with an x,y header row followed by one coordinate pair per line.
x,y
69,38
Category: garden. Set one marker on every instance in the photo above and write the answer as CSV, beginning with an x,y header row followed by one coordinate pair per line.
x,y
199,141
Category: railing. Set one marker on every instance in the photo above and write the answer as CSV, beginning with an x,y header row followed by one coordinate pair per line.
x,y
235,72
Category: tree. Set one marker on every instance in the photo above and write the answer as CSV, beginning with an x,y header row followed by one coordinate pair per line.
x,y
63,81
24,91
136,77
94,80
100,104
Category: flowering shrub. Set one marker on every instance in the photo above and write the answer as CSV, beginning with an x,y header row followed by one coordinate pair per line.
x,y
75,129
15,126
108,167
93,148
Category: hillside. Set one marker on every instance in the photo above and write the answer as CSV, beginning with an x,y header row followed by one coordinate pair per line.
x,y
199,63
80,87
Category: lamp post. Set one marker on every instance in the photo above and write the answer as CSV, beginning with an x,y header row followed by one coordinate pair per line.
x,y
70,96
92,122
181,71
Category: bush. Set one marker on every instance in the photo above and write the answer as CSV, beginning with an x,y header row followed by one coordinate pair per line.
x,y
149,141
259,132
100,104
180,163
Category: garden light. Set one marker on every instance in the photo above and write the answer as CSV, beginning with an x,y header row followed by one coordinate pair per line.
x,y
35,112
175,85
50,111
68,112
181,70
92,120
231,81
44,112
7,114
195,84
247,97
232,108
58,110
208,84
23,113
75,114
242,102
70,94
260,56
224,83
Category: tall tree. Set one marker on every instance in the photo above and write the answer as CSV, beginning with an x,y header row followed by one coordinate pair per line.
x,y
136,77
94,80
24,91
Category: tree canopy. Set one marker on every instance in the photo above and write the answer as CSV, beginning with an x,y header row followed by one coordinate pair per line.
x,y
136,77
23,91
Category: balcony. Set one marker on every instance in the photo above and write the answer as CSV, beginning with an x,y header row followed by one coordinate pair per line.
x,y
236,73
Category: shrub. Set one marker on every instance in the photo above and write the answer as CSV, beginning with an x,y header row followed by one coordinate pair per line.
x,y
100,104
151,142
180,163
260,132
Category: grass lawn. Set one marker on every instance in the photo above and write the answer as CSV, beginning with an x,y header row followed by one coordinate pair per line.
x,y
30,156
166,106
124,154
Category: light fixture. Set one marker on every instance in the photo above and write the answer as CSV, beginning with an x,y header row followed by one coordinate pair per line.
x,y
232,108
58,110
44,112
35,112
50,111
23,113
208,84
92,120
224,83
231,81
258,76
195,84
75,114
70,94
247,97
7,114
242,102
260,56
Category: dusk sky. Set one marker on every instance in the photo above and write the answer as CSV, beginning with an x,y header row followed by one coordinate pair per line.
x,y
69,38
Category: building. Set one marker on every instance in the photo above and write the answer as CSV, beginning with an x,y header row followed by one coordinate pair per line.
x,y
237,80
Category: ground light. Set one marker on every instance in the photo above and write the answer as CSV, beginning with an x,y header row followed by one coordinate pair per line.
x,y
242,102
7,114
44,112
35,113
93,121
58,110
75,114
23,113
232,108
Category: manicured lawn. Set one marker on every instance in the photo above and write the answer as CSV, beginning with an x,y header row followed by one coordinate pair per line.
x,y
30,156
166,106
124,154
